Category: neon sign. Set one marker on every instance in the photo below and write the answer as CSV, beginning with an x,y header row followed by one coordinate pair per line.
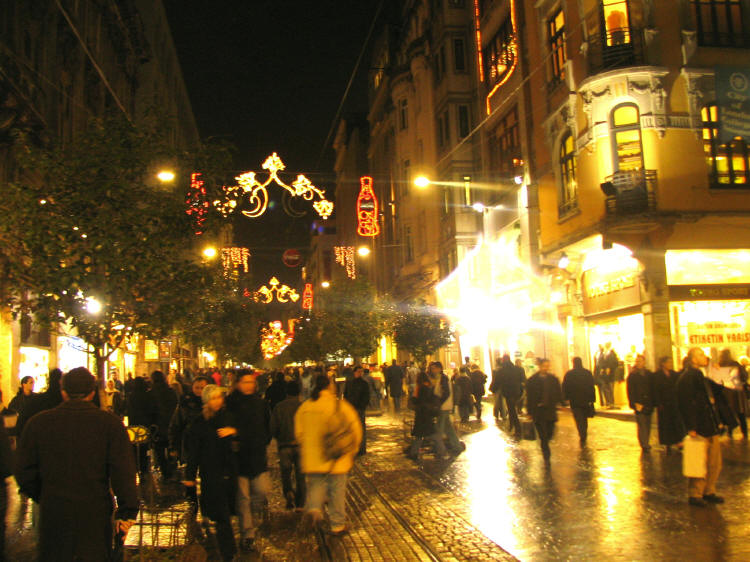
x,y
367,209
307,297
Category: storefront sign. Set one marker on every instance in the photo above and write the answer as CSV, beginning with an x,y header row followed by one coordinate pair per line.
x,y
150,351
614,290
733,99
165,350
735,291
717,333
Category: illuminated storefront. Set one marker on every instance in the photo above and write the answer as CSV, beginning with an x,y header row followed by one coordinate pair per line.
x,y
71,353
709,292
34,362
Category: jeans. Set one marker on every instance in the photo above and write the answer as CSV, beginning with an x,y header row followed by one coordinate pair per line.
x,y
437,441
697,487
499,409
332,486
515,424
606,393
247,489
363,445
446,431
463,412
581,415
396,403
644,428
546,430
289,462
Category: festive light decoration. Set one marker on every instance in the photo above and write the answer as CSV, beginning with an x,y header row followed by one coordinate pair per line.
x,y
307,297
367,209
197,205
501,66
258,194
274,340
234,257
345,258
478,37
283,293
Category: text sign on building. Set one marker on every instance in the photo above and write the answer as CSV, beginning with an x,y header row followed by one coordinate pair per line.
x,y
730,291
733,100
717,333
611,290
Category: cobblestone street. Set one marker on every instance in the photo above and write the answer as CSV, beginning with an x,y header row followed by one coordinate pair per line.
x,y
496,501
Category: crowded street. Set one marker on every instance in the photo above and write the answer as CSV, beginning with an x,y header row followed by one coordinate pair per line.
x,y
497,501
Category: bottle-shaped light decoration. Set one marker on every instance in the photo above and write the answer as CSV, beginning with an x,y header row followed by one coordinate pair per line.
x,y
367,209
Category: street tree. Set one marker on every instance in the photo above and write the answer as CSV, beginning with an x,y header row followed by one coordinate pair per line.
x,y
91,239
421,330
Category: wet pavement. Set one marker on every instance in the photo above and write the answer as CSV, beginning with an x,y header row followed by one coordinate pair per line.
x,y
496,501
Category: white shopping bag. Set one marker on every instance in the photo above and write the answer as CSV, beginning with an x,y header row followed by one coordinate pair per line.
x,y
694,452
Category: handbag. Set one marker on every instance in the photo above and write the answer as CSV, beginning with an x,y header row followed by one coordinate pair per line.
x,y
694,457
528,431
339,439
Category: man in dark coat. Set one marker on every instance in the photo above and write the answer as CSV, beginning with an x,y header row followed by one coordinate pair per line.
x,y
512,380
164,402
578,389
394,382
641,399
282,429
543,394
499,408
357,393
704,412
69,459
478,381
609,364
187,411
252,419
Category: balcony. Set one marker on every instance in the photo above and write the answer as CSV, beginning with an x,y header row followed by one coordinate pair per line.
x,y
617,49
630,193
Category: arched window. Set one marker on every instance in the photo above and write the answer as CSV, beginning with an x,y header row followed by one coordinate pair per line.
x,y
625,128
728,164
569,187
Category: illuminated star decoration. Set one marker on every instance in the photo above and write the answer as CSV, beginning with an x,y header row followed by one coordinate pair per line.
x,y
345,258
197,205
274,340
367,209
307,297
258,194
234,257
283,293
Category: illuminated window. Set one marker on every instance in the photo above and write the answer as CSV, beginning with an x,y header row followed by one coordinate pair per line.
x,y
727,163
505,146
459,55
556,29
616,22
719,23
500,54
626,138
403,114
569,187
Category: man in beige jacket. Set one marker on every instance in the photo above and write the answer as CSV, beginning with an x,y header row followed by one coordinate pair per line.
x,y
325,477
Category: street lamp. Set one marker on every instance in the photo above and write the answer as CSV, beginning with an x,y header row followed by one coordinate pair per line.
x,y
363,251
209,252
93,306
165,176
325,284
421,181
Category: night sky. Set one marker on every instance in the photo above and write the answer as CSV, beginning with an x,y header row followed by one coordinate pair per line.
x,y
268,76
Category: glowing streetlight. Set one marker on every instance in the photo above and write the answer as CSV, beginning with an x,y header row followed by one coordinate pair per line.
x,y
209,252
165,176
478,207
363,251
325,284
421,181
93,306
564,261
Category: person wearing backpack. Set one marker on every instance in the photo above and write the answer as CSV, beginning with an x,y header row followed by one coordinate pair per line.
x,y
329,432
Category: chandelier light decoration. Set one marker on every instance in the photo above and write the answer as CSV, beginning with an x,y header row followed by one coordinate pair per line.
x,y
307,297
283,293
367,209
258,194
196,202
235,257
345,258
274,340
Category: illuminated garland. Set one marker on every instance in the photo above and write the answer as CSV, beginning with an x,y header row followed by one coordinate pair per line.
x,y
367,209
307,297
513,48
283,293
274,340
345,258
197,205
258,194
235,257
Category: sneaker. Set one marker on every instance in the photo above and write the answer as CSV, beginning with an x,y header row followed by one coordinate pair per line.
x,y
248,545
712,498
697,502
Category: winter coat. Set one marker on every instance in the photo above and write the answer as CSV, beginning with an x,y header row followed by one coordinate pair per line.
x,y
22,405
395,381
214,458
443,389
357,393
478,380
164,402
512,380
641,390
252,417
310,425
282,421
671,428
140,408
578,388
187,411
699,412
50,398
427,409
68,460
543,394
463,395
275,393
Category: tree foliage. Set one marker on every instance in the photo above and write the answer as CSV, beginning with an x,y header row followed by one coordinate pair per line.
x,y
421,330
88,220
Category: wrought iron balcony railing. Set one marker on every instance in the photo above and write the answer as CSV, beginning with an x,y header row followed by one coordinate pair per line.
x,y
616,49
630,192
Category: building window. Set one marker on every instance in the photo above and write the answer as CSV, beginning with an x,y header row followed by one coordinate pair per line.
x,y
728,163
626,138
444,137
556,30
408,245
459,55
457,3
464,124
719,23
616,22
403,114
500,54
505,155
406,178
569,187
440,64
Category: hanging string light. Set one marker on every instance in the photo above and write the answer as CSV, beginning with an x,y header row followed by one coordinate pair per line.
x,y
235,257
274,340
283,293
345,258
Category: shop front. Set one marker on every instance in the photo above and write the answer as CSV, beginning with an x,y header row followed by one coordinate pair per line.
x,y
71,353
34,362
709,294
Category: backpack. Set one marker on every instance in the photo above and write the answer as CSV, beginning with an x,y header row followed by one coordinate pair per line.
x,y
339,438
